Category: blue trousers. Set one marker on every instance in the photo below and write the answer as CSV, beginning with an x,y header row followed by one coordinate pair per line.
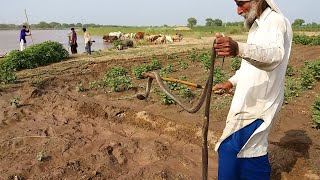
x,y
233,168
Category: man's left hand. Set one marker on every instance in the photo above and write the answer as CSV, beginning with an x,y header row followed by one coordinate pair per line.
x,y
225,46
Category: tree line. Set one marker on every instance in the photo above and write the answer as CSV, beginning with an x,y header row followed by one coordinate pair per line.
x,y
217,22
191,22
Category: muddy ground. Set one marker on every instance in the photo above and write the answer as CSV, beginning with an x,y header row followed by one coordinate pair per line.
x,y
57,132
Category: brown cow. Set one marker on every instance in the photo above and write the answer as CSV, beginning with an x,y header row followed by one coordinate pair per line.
x,y
139,35
110,39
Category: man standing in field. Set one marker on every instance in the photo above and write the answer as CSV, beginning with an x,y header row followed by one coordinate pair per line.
x,y
73,41
259,90
23,33
87,41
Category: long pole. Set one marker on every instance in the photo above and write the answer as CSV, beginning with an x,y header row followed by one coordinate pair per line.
x,y
25,12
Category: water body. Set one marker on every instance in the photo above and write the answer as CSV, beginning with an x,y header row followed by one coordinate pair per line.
x,y
10,40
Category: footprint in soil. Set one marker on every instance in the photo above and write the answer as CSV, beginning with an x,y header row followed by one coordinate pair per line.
x,y
116,155
161,150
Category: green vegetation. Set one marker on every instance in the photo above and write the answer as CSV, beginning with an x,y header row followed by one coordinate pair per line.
x,y
32,57
138,70
289,70
306,40
292,88
309,74
117,79
235,63
316,113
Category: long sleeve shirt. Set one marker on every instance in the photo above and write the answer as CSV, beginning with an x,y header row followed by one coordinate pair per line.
x,y
87,37
259,82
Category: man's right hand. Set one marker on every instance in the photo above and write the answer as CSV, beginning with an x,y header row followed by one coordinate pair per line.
x,y
222,88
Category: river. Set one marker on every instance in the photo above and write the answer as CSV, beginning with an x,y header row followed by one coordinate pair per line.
x,y
10,40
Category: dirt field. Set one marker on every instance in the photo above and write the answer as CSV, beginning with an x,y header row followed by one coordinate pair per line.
x,y
59,133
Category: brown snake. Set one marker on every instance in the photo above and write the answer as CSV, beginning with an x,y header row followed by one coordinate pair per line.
x,y
206,94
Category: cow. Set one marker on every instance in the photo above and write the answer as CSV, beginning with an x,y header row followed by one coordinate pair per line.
x,y
169,39
176,37
110,39
161,39
118,34
139,35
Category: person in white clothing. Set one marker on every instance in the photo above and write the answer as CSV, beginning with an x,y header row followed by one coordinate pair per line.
x,y
259,92
87,41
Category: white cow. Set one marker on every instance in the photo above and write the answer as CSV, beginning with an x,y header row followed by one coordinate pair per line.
x,y
169,39
118,34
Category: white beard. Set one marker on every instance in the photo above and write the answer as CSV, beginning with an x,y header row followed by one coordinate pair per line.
x,y
251,16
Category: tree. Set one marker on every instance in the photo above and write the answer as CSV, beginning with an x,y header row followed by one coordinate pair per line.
x,y
192,22
298,22
209,22
217,22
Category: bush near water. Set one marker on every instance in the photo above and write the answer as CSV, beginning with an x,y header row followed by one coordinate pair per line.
x,y
32,57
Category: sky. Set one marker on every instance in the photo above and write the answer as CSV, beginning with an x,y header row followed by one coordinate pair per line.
x,y
141,12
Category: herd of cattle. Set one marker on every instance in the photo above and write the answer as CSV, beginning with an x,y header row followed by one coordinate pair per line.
x,y
157,39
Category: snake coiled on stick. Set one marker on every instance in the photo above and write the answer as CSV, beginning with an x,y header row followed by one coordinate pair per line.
x,y
206,95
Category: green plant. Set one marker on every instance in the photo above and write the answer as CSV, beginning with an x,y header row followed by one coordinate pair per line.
x,y
218,75
289,71
205,59
316,113
193,55
15,102
165,70
292,88
186,93
94,85
80,88
165,99
307,77
117,79
235,63
138,70
7,73
183,64
155,64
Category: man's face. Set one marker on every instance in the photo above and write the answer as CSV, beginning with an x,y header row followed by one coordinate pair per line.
x,y
248,10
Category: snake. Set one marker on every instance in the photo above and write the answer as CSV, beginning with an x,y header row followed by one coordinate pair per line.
x,y
205,95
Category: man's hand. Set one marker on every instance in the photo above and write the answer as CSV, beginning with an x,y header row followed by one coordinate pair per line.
x,y
225,46
224,87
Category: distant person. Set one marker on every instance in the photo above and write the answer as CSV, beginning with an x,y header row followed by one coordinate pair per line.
x,y
73,41
87,41
23,33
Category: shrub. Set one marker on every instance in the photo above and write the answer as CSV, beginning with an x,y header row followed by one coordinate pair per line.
x,y
37,55
316,113
117,79
7,73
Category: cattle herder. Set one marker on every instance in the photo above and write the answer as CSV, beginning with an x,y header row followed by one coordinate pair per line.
x,y
23,33
259,92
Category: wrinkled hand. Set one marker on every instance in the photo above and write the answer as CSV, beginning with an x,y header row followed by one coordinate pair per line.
x,y
225,46
222,88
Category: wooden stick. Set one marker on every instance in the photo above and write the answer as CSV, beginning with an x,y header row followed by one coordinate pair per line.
x,y
216,91
25,12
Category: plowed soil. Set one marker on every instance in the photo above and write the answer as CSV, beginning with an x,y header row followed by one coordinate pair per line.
x,y
57,132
